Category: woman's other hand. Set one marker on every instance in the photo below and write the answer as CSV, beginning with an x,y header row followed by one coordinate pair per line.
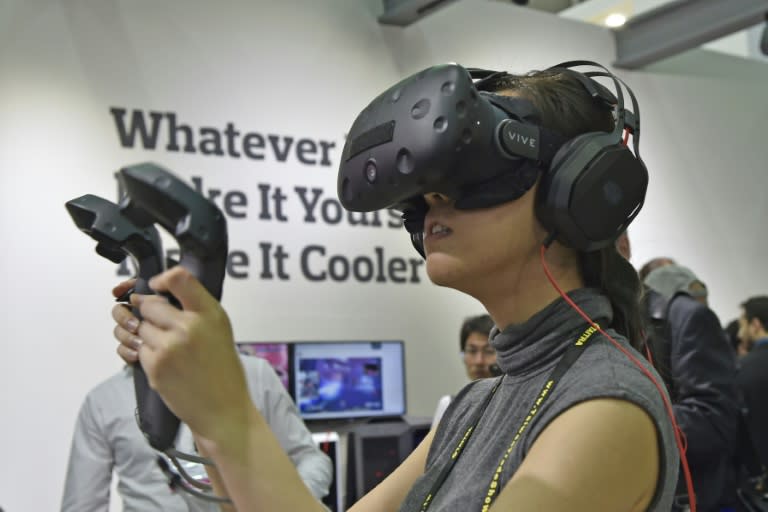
x,y
127,324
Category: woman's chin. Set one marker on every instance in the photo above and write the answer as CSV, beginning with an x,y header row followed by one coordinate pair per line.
x,y
443,270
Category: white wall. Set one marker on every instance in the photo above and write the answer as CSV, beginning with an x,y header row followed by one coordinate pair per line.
x,y
301,68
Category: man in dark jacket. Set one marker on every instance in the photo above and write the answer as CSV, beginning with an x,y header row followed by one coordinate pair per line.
x,y
698,366
752,379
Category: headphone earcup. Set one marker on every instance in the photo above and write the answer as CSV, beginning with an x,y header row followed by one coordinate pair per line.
x,y
591,192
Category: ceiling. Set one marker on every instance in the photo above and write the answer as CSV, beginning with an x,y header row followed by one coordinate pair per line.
x,y
547,5
744,43
654,29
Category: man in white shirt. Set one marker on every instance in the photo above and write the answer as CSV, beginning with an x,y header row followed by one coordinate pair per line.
x,y
107,438
478,355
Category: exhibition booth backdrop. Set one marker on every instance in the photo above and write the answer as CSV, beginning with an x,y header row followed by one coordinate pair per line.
x,y
250,102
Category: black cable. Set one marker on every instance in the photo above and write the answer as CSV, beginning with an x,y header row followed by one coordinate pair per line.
x,y
173,452
189,478
177,482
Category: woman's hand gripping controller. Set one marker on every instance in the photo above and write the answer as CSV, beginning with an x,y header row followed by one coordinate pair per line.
x,y
154,195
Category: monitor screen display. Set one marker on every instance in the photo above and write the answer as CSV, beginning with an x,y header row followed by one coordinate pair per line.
x,y
277,354
356,379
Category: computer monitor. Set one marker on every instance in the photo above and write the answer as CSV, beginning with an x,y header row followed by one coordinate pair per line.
x,y
353,379
278,354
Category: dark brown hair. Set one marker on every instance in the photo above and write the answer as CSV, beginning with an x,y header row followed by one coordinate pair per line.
x,y
481,323
756,307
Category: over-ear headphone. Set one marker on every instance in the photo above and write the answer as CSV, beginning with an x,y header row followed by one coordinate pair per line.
x,y
595,186
445,130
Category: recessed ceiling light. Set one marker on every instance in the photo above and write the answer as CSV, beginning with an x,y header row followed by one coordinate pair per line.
x,y
615,19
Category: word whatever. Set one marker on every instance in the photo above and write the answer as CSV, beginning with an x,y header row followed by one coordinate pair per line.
x,y
162,130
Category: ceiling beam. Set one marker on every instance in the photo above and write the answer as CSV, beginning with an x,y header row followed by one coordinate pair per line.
x,y
405,12
681,25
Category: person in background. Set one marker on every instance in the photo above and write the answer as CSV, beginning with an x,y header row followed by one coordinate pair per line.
x,y
107,438
478,355
653,265
731,330
670,279
752,378
740,347
691,352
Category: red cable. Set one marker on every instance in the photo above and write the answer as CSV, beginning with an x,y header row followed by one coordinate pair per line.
x,y
679,436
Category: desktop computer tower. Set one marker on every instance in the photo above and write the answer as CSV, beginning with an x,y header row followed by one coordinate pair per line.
x,y
374,450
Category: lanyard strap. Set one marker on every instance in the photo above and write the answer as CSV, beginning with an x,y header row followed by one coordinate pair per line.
x,y
565,362
460,447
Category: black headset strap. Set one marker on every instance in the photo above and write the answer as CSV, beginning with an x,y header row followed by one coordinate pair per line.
x,y
524,118
482,77
618,109
576,63
624,118
631,117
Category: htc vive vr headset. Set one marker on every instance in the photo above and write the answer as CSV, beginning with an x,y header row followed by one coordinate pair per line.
x,y
440,130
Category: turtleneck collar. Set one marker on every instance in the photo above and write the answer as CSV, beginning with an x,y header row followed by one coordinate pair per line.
x,y
524,349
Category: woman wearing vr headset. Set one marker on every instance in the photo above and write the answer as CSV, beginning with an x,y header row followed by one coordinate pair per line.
x,y
519,215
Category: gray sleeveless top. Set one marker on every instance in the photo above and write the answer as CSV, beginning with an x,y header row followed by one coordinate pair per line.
x,y
527,353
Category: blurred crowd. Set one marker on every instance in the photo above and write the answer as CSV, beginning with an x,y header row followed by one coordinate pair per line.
x,y
717,377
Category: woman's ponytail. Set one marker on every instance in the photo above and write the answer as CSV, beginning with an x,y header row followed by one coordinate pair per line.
x,y
610,272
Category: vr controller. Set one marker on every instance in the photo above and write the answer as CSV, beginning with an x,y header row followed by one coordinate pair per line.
x,y
154,195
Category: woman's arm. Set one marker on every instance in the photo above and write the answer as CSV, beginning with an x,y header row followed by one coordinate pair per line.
x,y
598,456
255,471
259,476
